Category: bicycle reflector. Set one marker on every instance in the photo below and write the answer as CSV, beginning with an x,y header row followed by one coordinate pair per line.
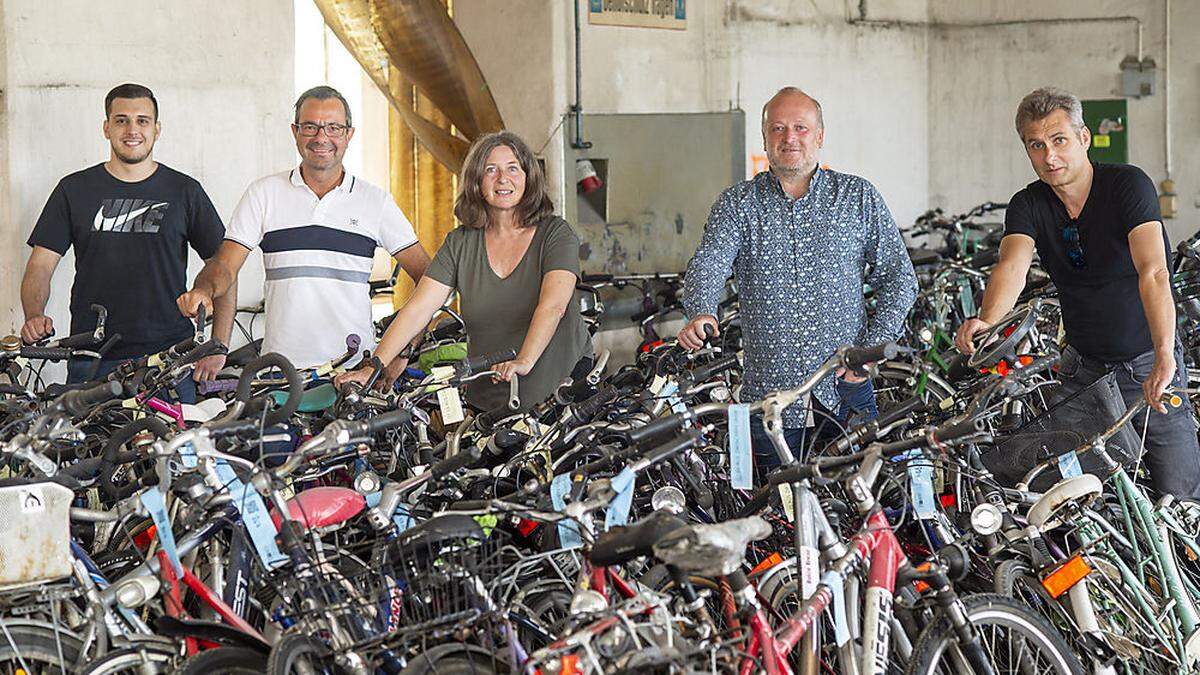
x,y
1065,576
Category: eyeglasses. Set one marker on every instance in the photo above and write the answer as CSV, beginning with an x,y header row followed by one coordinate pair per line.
x,y
332,129
1070,232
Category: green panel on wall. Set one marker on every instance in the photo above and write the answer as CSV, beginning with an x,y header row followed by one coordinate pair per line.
x,y
1109,123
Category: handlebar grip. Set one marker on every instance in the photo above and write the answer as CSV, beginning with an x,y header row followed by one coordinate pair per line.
x,y
596,278
478,363
201,351
573,391
446,331
295,387
585,411
386,421
465,457
111,456
952,430
47,353
855,358
216,386
719,366
672,447
84,469
901,411
1038,366
77,340
232,428
78,402
654,430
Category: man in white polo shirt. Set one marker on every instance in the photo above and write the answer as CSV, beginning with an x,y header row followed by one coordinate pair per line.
x,y
318,228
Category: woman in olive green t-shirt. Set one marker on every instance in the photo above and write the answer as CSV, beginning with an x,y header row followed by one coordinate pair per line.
x,y
514,265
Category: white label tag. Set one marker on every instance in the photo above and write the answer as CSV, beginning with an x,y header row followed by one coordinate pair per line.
x,y
451,405
789,504
741,459
442,373
33,499
810,571
657,383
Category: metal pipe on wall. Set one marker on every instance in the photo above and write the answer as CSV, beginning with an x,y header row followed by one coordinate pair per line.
x,y
1167,87
577,106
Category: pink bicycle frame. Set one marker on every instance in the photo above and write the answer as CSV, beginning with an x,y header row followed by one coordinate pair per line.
x,y
875,541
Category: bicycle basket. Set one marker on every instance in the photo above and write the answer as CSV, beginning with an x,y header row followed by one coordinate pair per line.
x,y
36,541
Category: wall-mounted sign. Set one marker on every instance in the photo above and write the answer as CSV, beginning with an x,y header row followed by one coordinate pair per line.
x,y
1108,121
639,13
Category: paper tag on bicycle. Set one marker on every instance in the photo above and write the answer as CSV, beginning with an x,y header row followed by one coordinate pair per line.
x,y
920,483
568,530
450,404
618,510
254,516
657,384
1068,465
741,460
442,373
677,404
789,503
152,499
841,628
810,571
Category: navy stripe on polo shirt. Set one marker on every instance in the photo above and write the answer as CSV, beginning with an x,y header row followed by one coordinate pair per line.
x,y
318,238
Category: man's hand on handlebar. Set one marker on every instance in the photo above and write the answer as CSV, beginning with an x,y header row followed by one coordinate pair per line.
x,y
207,368
1156,383
964,338
189,303
37,328
692,336
358,376
506,370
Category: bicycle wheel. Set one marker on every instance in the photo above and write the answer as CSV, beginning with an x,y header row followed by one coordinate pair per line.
x,y
299,653
452,659
1015,640
133,660
225,661
36,649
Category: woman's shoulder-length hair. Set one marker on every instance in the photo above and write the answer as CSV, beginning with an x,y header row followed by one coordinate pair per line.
x,y
470,207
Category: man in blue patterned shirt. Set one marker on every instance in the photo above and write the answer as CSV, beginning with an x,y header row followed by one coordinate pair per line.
x,y
800,241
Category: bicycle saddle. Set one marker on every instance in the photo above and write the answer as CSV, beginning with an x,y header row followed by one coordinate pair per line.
x,y
244,354
323,507
622,544
312,400
711,550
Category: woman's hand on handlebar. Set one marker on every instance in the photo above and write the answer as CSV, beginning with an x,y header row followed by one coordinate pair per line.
x,y
358,376
506,370
692,336
964,338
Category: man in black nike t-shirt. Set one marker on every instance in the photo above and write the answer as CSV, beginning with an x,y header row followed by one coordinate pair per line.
x,y
131,221
1099,234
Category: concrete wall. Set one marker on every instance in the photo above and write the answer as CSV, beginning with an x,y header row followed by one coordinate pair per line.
x,y
872,82
222,71
978,75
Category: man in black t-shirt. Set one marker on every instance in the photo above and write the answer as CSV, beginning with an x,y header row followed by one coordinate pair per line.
x,y
1098,232
131,221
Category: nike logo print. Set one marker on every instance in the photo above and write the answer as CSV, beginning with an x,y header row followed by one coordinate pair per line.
x,y
132,215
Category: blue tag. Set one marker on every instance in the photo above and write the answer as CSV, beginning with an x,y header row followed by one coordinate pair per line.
x,y
668,389
1068,465
568,530
187,455
618,510
841,629
741,462
254,516
677,404
152,499
920,485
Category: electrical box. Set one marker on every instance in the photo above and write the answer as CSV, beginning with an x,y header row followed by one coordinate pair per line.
x,y
1138,77
1109,123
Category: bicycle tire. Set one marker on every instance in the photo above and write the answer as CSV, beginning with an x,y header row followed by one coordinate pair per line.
x,y
22,644
224,661
132,660
987,612
451,659
297,649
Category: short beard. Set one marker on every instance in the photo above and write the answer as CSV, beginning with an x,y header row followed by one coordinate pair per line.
x,y
133,160
792,171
